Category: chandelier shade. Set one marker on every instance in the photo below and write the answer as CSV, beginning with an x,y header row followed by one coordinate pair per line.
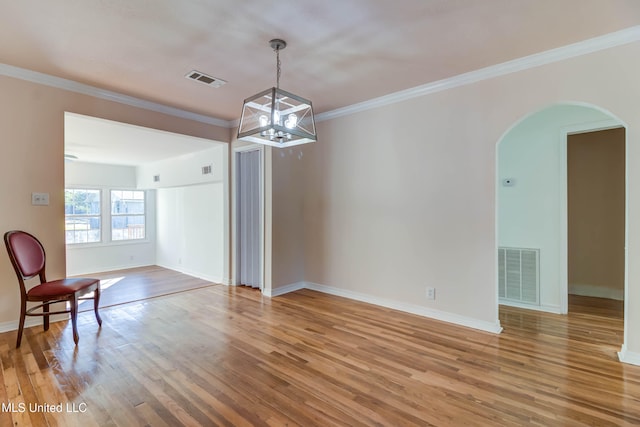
x,y
276,117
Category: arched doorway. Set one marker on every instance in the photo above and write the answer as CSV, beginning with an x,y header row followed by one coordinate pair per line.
x,y
532,204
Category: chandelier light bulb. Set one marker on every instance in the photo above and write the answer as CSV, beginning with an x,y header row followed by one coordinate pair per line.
x,y
264,120
292,121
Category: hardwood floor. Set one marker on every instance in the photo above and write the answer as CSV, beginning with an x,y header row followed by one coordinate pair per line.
x,y
135,284
229,356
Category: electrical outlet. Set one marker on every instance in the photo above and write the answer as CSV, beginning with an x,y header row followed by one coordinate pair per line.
x,y
431,293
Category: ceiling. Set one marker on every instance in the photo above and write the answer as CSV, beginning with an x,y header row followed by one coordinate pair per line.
x,y
340,52
94,140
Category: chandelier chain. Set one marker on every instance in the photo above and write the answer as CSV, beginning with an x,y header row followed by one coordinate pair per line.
x,y
278,68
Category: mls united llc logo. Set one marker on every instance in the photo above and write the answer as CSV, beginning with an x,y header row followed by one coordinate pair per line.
x,y
20,407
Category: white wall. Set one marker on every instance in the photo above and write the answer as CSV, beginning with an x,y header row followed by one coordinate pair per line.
x,y
184,170
99,175
191,231
531,212
107,256
192,227
403,196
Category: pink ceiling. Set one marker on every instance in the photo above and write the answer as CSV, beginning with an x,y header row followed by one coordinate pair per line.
x,y
340,52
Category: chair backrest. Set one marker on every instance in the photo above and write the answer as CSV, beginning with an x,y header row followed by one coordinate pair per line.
x,y
26,253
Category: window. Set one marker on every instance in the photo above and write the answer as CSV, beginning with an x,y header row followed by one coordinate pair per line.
x,y
82,215
127,215
86,210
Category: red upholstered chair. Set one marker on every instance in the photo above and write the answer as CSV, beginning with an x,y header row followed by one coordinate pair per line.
x,y
28,259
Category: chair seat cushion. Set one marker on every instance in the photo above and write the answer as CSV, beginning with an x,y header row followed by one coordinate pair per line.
x,y
61,287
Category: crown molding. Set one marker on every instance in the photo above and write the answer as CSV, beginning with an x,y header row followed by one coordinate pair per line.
x,y
607,41
72,86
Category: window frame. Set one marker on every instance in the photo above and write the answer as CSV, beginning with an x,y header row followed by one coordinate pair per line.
x,y
113,215
99,216
105,218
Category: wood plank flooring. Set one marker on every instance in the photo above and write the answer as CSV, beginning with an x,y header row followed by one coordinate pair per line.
x,y
231,357
135,284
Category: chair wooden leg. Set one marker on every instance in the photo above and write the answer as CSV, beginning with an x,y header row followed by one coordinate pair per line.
x,y
96,303
45,318
23,314
74,317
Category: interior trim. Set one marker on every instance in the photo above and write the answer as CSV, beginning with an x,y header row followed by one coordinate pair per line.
x,y
626,356
84,89
29,322
430,313
584,47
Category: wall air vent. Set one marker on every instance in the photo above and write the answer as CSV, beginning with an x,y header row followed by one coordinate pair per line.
x,y
204,79
518,275
156,178
206,170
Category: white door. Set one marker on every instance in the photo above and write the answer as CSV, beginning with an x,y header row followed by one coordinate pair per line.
x,y
249,218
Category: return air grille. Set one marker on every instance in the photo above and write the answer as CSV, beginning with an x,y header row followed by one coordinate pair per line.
x,y
205,79
518,275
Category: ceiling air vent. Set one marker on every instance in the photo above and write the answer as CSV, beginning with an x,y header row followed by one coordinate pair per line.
x,y
206,170
205,79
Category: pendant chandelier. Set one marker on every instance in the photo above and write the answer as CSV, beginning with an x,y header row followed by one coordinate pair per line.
x,y
275,117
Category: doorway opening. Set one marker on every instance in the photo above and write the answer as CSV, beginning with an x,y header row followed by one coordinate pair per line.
x,y
596,221
535,188
144,207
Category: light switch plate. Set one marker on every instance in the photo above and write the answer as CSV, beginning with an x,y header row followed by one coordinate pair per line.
x,y
40,199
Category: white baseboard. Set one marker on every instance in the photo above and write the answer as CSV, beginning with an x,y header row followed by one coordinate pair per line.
x,y
555,309
12,325
281,290
196,274
626,356
596,291
106,268
456,319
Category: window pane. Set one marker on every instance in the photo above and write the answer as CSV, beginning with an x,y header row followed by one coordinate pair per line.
x,y
127,227
82,230
127,202
127,215
82,215
82,202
